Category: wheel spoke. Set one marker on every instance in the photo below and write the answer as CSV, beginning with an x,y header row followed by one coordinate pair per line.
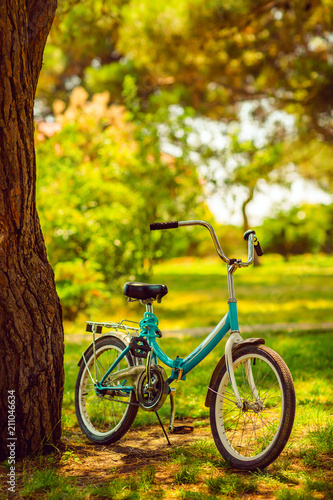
x,y
249,432
102,416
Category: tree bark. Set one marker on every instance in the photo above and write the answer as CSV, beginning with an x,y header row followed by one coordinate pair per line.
x,y
31,332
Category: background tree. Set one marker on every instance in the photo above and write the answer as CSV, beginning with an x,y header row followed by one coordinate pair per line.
x,y
251,165
31,335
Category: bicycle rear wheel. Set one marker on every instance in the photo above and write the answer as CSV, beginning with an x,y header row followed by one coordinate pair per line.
x,y
104,418
252,437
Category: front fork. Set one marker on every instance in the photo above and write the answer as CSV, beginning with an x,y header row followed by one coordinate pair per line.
x,y
233,340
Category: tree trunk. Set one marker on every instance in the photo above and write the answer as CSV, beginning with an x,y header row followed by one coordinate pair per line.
x,y
31,333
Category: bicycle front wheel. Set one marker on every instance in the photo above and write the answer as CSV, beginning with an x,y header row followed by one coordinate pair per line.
x,y
104,418
253,436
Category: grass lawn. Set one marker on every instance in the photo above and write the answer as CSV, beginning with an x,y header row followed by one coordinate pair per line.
x,y
300,290
297,291
141,465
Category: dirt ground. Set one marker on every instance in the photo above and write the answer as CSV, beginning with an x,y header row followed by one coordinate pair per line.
x,y
137,449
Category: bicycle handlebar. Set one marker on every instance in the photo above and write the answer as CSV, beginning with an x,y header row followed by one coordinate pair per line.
x,y
250,236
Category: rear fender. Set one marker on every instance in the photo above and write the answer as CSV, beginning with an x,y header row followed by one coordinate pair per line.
x,y
254,341
118,335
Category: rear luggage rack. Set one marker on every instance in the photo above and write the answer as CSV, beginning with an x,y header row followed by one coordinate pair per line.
x,y
123,326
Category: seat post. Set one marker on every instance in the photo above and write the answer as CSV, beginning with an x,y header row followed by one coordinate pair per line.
x,y
149,307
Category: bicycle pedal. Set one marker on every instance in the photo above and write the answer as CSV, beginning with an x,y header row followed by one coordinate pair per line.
x,y
182,429
139,347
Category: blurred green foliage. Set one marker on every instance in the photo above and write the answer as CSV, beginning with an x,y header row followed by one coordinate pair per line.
x,y
210,55
302,229
112,70
102,180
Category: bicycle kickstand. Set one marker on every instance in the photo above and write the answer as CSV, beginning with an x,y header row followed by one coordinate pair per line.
x,y
161,424
179,429
173,408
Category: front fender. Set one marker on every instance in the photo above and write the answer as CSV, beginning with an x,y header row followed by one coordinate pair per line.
x,y
119,335
254,341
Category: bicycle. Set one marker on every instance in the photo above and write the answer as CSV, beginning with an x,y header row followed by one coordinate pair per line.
x,y
251,393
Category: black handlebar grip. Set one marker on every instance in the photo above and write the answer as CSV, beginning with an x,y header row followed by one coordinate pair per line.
x,y
163,225
258,249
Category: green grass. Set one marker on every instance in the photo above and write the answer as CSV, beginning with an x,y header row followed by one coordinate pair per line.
x,y
197,471
49,483
188,474
118,489
297,291
232,484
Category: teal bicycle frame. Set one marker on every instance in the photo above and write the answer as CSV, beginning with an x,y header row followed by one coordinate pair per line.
x,y
181,367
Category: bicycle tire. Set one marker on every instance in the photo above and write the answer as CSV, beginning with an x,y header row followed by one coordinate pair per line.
x,y
102,418
253,437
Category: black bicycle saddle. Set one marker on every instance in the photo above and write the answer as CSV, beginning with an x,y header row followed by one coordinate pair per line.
x,y
144,291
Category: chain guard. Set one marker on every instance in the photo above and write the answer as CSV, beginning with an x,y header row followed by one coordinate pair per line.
x,y
151,397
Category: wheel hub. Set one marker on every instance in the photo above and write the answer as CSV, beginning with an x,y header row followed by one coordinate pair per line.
x,y
256,407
